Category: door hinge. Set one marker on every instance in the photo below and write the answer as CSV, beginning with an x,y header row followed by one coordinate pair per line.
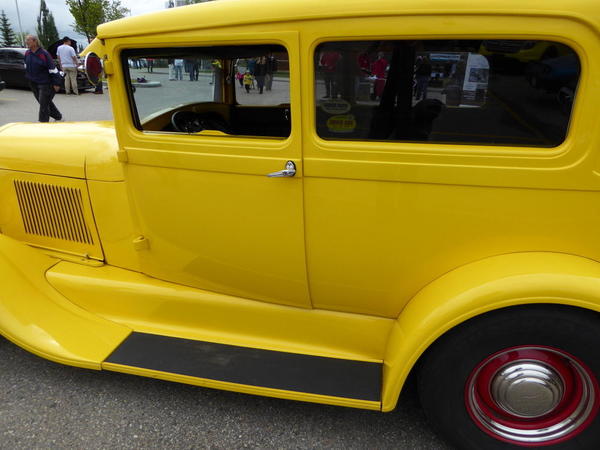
x,y
122,156
108,67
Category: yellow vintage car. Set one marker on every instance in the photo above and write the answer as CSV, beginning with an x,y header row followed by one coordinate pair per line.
x,y
316,200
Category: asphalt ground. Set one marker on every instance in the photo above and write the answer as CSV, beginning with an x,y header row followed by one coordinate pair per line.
x,y
19,105
50,406
44,405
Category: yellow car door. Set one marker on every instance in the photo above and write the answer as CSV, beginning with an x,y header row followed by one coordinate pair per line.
x,y
213,170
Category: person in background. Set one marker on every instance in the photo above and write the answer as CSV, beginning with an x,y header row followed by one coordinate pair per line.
x,y
248,80
150,64
193,68
260,72
94,71
67,62
329,63
422,76
379,70
43,77
178,66
240,77
271,69
171,70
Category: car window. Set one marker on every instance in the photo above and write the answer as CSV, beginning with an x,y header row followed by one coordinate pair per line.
x,y
236,90
490,92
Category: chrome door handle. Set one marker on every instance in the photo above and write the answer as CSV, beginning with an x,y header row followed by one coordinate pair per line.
x,y
289,171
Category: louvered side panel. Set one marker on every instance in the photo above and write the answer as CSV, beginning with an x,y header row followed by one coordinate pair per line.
x,y
52,211
49,212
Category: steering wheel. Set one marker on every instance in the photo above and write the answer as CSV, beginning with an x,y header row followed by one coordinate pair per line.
x,y
191,122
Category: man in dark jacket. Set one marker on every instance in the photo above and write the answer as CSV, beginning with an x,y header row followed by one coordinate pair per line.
x,y
43,77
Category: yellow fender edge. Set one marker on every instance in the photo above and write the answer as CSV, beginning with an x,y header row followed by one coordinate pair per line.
x,y
36,317
479,287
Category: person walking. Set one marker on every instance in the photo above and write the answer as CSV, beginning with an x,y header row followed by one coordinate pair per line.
x,y
422,76
43,77
178,66
271,69
67,62
260,72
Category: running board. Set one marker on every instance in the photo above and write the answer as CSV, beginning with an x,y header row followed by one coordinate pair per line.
x,y
251,370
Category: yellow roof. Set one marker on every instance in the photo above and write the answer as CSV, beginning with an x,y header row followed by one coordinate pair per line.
x,y
238,12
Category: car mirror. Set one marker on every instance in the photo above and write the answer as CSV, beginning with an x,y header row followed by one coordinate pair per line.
x,y
93,68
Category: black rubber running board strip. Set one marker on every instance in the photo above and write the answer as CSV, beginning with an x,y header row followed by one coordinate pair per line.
x,y
250,366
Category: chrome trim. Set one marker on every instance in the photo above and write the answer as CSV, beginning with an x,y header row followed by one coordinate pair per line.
x,y
527,389
556,431
289,171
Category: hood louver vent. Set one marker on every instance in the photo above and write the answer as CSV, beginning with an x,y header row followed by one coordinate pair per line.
x,y
52,211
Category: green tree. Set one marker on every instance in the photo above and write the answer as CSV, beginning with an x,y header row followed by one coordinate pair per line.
x,y
7,35
114,10
88,14
46,28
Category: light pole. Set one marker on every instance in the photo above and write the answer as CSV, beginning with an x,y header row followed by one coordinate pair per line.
x,y
20,26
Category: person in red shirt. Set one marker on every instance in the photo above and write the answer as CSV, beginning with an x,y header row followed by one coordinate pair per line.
x,y
379,70
329,62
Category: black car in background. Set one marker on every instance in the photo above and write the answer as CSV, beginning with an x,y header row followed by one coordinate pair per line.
x,y
12,68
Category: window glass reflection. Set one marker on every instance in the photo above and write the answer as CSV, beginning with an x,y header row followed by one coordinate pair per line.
x,y
497,92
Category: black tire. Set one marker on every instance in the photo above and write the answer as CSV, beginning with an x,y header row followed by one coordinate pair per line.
x,y
455,360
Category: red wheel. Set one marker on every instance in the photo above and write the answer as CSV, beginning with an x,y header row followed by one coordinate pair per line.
x,y
532,396
519,377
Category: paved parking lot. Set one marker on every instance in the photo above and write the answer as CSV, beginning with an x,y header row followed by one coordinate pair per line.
x,y
46,405
19,105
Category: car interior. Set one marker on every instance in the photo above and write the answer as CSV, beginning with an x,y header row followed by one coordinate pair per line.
x,y
206,93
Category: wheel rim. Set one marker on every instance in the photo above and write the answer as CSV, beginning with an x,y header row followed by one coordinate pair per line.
x,y
532,396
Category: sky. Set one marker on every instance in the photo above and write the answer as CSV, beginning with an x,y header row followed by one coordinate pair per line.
x,y
30,9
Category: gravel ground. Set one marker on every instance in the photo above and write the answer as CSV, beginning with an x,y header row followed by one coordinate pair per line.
x,y
44,405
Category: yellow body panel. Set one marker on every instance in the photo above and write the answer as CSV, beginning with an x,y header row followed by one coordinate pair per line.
x,y
61,149
111,200
36,317
370,253
157,307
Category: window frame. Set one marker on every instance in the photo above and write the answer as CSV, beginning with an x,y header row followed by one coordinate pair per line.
x,y
142,52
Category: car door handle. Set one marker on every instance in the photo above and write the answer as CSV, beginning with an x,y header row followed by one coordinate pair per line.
x,y
289,171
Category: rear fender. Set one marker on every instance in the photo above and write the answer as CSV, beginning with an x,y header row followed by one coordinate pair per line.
x,y
479,287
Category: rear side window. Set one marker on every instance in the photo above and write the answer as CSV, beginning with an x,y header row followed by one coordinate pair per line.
x,y
490,92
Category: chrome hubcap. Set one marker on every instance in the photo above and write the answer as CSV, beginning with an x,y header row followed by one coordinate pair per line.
x,y
527,389
532,396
